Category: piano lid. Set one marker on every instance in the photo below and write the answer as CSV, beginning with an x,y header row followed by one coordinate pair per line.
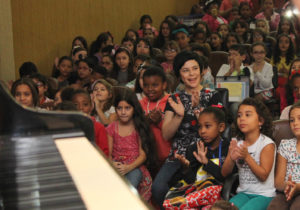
x,y
15,120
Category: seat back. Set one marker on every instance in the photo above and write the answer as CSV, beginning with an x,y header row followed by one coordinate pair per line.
x,y
216,60
281,131
224,96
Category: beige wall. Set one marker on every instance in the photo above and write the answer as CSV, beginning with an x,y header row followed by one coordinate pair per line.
x,y
44,29
7,65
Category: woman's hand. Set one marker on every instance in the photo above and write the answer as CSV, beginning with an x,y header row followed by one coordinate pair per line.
x,y
177,107
200,155
290,188
195,98
182,159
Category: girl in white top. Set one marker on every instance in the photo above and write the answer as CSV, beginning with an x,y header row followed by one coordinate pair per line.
x,y
263,72
287,179
102,96
254,156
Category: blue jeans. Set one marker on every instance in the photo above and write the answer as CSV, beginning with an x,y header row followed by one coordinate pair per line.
x,y
134,177
160,185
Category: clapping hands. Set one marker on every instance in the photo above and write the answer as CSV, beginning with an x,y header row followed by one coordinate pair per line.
x,y
290,188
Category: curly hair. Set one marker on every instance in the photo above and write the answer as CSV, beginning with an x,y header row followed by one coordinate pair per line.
x,y
263,112
141,126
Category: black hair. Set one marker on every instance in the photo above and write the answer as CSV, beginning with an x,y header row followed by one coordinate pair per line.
x,y
239,48
141,125
32,86
152,70
201,48
90,61
100,70
218,113
108,50
132,30
160,40
114,73
67,93
147,42
81,92
231,34
66,106
143,18
258,44
41,78
261,32
77,49
173,18
27,68
102,38
82,40
243,24
195,26
289,54
262,112
183,57
55,71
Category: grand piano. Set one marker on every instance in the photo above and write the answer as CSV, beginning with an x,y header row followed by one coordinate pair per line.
x,y
48,161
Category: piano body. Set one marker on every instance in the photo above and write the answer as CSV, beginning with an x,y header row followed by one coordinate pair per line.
x,y
48,161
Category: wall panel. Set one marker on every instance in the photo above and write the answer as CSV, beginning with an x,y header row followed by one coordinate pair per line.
x,y
44,29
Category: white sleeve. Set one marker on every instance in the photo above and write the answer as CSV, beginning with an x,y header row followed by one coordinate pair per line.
x,y
223,70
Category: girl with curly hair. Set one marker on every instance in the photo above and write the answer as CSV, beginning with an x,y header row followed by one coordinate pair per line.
x,y
254,155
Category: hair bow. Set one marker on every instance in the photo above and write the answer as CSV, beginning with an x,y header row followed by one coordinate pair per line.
x,y
219,105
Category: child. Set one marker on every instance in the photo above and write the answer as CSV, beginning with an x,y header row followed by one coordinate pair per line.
x,y
128,43
199,36
287,178
149,34
131,145
269,14
164,34
65,67
85,69
292,89
182,36
107,61
83,103
231,39
143,47
245,12
212,16
80,41
103,99
25,92
254,155
144,21
282,58
42,84
216,42
132,34
286,26
240,27
201,169
263,72
237,54
154,86
123,64
224,30
103,40
170,50
263,25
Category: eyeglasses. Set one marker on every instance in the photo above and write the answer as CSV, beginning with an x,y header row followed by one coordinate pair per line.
x,y
170,50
